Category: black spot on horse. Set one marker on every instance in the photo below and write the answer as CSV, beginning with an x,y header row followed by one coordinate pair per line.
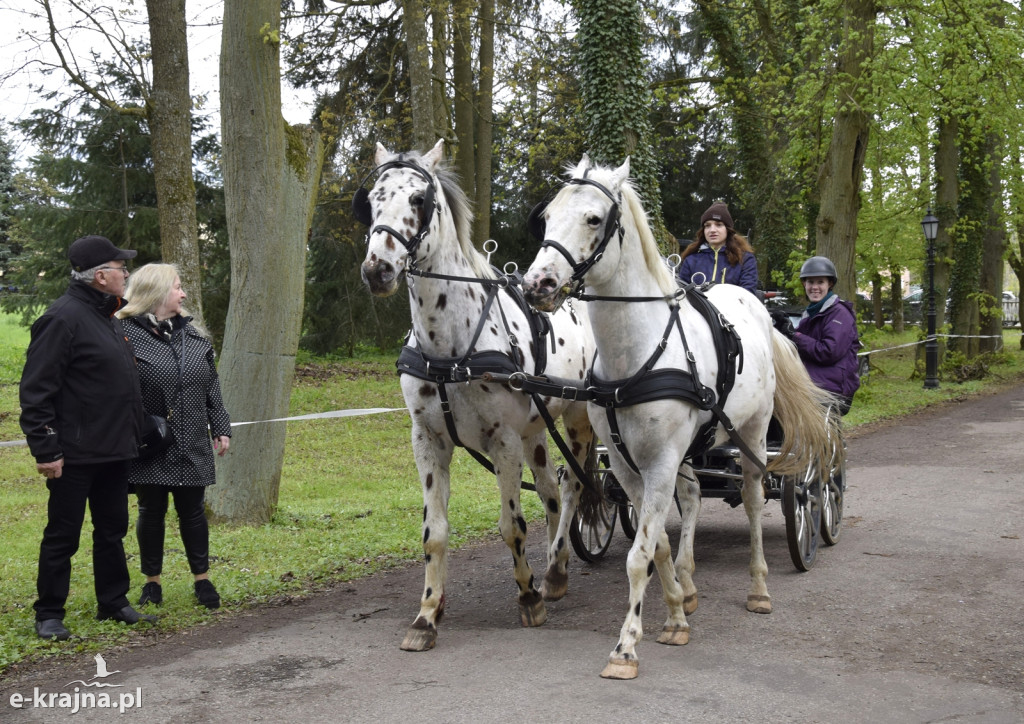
x,y
561,342
442,301
429,482
429,593
650,568
427,390
540,456
521,522
552,505
636,608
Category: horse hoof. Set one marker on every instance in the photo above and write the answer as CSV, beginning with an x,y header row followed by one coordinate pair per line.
x,y
759,604
555,586
622,669
532,616
675,636
421,636
690,604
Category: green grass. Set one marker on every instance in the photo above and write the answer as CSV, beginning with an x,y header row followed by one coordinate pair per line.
x,y
350,501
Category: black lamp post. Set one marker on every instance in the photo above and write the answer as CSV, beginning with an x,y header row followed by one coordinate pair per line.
x,y
931,346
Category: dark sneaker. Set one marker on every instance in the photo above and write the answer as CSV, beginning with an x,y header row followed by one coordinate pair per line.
x,y
206,594
52,628
126,615
151,593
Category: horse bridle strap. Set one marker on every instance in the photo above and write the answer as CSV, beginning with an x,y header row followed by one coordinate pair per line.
x,y
580,269
363,212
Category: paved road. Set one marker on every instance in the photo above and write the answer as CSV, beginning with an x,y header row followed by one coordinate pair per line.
x,y
914,617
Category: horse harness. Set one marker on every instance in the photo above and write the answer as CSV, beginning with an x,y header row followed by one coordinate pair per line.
x,y
487,365
649,384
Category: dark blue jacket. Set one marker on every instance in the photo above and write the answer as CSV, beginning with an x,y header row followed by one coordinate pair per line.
x,y
710,265
80,395
828,344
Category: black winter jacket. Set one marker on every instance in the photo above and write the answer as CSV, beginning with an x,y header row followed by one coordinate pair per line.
x,y
80,394
178,376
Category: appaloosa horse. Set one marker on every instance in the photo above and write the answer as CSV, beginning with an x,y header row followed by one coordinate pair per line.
x,y
674,365
471,330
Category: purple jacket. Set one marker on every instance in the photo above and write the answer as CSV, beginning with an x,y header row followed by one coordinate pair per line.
x,y
828,344
710,265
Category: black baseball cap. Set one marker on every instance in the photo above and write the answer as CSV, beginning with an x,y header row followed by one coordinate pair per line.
x,y
91,251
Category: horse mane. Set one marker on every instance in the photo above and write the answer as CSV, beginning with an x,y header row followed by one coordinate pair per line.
x,y
652,257
462,220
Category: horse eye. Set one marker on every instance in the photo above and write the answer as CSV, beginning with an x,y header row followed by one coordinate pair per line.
x,y
594,220
417,199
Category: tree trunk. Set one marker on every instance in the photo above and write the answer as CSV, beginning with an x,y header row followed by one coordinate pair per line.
x,y
947,194
271,174
420,87
840,179
442,115
169,111
484,132
465,156
992,255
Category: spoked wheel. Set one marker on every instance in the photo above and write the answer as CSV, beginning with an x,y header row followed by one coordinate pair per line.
x,y
628,520
832,505
801,506
591,541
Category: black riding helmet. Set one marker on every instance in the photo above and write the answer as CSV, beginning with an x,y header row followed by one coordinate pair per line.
x,y
819,266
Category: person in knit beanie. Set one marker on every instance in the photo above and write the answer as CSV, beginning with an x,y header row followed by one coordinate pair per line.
x,y
718,254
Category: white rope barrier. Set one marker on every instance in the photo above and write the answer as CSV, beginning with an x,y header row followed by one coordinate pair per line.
x,y
930,338
311,416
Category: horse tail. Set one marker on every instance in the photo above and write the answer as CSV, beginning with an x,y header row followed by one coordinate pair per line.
x,y
591,492
807,413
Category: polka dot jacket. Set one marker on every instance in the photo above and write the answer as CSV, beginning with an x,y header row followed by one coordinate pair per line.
x,y
179,381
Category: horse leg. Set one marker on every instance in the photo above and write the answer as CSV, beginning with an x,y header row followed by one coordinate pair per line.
x,y
512,526
676,631
688,492
641,563
758,600
556,577
433,457
580,438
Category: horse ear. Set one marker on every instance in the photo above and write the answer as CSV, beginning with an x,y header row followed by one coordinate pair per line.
x,y
535,221
582,166
361,206
621,174
381,154
435,154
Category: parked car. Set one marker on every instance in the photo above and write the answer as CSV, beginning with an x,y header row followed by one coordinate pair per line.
x,y
1011,309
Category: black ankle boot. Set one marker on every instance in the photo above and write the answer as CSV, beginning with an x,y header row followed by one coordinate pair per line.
x,y
206,594
151,593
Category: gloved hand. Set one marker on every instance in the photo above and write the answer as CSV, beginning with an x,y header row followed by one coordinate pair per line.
x,y
782,323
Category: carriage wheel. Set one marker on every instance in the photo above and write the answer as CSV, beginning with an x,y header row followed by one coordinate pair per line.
x,y
832,506
591,542
801,506
613,491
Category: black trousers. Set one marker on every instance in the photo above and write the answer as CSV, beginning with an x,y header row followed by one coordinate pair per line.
x,y
104,487
195,532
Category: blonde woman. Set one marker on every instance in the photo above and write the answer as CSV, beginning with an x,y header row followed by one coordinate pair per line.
x,y
179,381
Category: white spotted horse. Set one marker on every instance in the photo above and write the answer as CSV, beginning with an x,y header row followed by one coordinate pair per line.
x,y
678,370
472,333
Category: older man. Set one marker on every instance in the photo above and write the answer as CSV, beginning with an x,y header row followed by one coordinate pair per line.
x,y
81,411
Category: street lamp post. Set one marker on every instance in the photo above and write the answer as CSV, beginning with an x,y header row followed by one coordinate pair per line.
x,y
930,224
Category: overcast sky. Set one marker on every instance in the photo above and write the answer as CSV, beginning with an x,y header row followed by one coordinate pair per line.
x,y
16,53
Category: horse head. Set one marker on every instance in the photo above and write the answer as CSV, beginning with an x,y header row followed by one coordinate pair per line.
x,y
400,211
575,230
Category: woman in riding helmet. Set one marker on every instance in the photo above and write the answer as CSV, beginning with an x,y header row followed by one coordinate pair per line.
x,y
718,253
826,335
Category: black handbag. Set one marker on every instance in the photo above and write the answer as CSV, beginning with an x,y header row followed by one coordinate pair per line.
x,y
157,436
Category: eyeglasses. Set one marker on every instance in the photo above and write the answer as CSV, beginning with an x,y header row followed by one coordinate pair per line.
x,y
122,269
